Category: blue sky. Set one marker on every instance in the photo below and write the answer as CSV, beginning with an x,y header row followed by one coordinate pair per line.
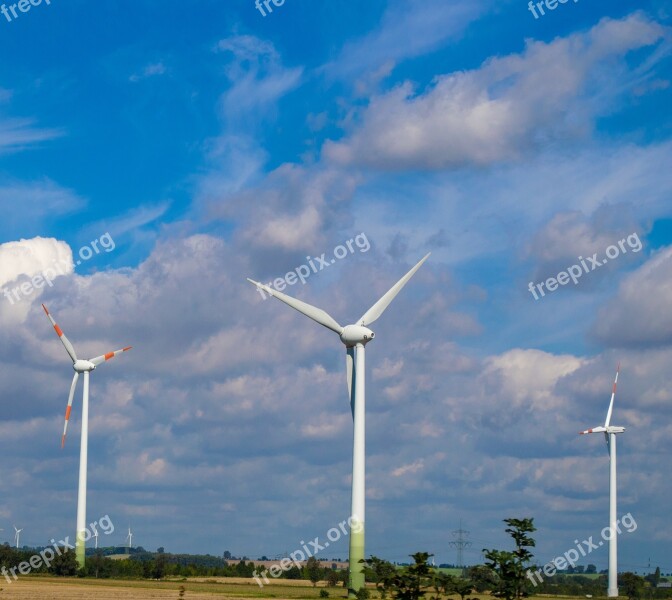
x,y
213,144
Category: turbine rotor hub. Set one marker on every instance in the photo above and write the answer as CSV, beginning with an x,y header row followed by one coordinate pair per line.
x,y
83,366
356,334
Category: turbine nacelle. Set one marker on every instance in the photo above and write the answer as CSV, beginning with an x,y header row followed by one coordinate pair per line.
x,y
83,366
356,334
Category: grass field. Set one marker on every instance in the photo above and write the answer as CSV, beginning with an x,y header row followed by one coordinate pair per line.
x,y
198,588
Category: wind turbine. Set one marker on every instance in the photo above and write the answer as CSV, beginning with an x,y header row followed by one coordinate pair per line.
x,y
95,536
355,337
610,432
129,539
17,533
85,367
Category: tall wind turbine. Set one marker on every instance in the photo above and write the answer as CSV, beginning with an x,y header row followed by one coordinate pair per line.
x,y
95,536
610,432
129,539
355,337
85,367
17,534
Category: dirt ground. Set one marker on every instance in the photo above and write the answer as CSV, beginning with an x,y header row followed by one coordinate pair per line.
x,y
197,588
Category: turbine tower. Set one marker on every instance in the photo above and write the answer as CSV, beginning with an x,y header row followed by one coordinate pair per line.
x,y
80,366
354,337
610,432
17,534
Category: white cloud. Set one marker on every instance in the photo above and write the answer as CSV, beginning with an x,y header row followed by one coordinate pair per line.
x,y
528,377
33,257
150,70
408,28
21,134
500,111
639,314
258,79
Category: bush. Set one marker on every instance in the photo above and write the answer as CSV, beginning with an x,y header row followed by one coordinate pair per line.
x,y
363,594
324,593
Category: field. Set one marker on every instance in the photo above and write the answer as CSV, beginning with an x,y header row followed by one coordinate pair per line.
x,y
198,588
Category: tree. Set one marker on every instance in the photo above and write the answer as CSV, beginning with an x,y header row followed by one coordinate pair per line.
x,y
654,578
332,578
413,581
65,564
631,585
159,571
483,578
590,569
511,567
313,570
293,573
457,585
378,571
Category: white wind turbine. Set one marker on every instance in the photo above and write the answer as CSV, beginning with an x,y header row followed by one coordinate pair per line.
x,y
17,535
129,539
610,432
85,367
95,536
355,337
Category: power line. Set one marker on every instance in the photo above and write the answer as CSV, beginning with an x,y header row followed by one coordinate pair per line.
x,y
460,543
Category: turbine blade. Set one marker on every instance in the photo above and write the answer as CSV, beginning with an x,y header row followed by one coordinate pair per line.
x,y
613,393
104,357
312,312
66,342
69,407
349,369
606,439
379,307
598,429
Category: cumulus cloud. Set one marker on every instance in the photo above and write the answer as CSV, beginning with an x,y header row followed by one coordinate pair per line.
x,y
639,313
570,236
295,211
500,111
27,258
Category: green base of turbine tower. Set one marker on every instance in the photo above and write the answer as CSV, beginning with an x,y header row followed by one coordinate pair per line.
x,y
356,574
80,552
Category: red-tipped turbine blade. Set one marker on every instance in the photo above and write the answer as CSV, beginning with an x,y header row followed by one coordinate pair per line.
x,y
103,357
66,342
598,429
69,407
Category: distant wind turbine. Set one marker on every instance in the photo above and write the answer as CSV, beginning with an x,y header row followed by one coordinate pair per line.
x,y
17,534
129,539
85,367
95,536
354,337
610,432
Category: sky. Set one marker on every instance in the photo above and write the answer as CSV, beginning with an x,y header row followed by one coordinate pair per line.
x,y
153,155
